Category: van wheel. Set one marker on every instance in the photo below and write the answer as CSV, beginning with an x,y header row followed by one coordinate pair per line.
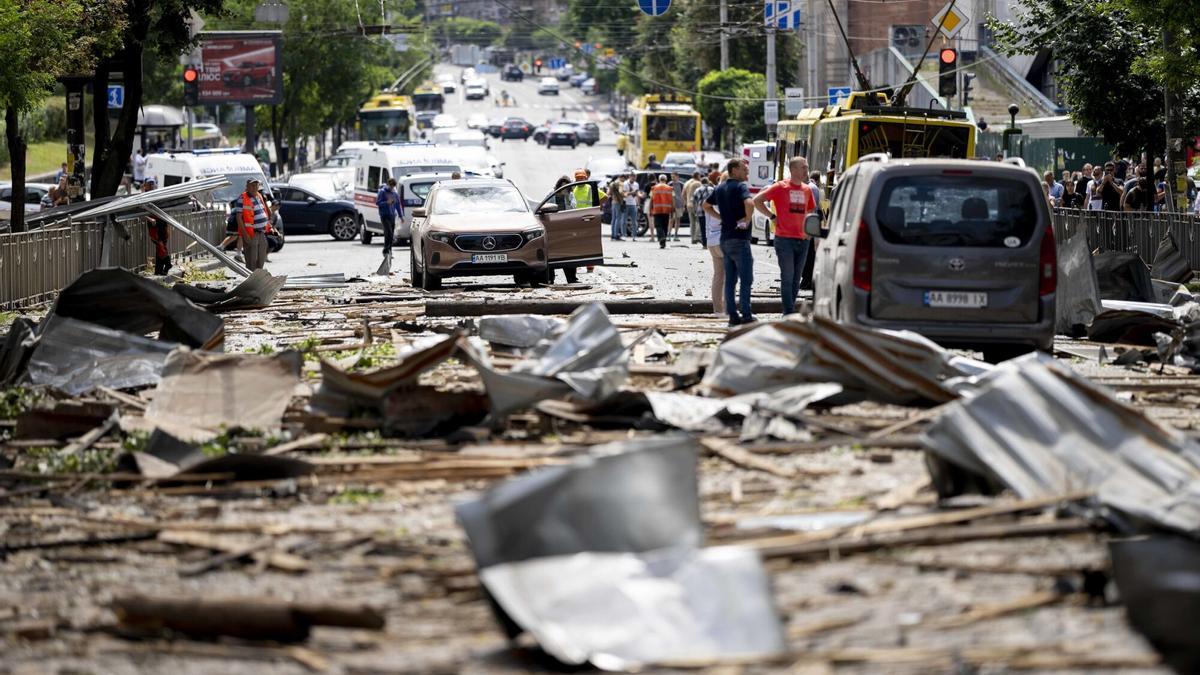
x,y
1000,353
367,235
417,278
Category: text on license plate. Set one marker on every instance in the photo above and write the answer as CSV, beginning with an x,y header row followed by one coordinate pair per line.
x,y
955,299
489,257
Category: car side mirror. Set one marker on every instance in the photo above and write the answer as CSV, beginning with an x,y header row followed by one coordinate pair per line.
x,y
812,226
548,208
311,200
419,213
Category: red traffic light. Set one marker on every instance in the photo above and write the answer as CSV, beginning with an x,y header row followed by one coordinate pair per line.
x,y
948,55
190,74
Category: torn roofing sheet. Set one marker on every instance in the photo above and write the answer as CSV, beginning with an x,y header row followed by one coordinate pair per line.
x,y
16,351
888,366
1044,430
257,290
340,387
629,496
621,611
201,393
1169,262
1158,579
518,330
76,357
121,300
166,456
1077,297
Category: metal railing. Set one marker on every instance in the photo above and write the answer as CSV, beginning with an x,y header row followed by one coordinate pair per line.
x,y
1134,232
34,266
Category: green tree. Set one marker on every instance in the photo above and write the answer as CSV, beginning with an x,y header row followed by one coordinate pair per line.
x,y
731,100
458,29
1111,69
696,41
39,43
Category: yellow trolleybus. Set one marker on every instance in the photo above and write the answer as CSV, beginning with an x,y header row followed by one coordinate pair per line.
x,y
386,117
661,123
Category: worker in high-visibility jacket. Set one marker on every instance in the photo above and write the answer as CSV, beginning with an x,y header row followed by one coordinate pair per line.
x,y
583,191
254,226
662,206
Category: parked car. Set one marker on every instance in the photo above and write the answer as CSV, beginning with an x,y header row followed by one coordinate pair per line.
x,y
306,212
325,184
495,127
34,192
682,163
589,133
484,226
512,73
477,121
548,86
961,252
516,127
590,87
577,79
605,169
562,134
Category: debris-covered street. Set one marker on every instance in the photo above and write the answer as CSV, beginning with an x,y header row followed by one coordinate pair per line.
x,y
631,489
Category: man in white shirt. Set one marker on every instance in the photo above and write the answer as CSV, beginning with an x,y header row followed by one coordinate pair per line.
x,y
1094,203
630,190
139,168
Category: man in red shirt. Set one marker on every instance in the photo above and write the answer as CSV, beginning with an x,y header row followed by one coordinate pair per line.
x,y
792,200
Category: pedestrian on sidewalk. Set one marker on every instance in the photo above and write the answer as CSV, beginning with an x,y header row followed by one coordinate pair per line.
x,y
712,237
1108,190
652,162
139,168
662,207
695,225
255,225
1070,198
632,194
731,203
792,199
388,202
159,232
1053,188
1094,203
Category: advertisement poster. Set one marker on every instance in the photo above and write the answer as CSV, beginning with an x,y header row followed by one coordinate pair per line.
x,y
240,67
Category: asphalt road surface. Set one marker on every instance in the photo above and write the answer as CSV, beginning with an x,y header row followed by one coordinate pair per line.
x,y
681,270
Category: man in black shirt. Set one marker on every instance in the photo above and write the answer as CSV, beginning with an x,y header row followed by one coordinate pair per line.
x,y
731,203
1081,184
1109,189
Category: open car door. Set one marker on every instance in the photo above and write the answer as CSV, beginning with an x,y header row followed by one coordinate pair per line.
x,y
573,232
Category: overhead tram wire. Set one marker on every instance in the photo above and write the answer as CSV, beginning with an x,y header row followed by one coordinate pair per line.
x,y
679,90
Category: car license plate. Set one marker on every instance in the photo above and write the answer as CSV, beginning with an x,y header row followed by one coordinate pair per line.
x,y
967,299
489,257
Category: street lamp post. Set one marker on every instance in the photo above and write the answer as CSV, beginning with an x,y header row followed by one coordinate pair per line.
x,y
1012,129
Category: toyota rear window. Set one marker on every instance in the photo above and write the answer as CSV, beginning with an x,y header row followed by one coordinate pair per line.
x,y
957,210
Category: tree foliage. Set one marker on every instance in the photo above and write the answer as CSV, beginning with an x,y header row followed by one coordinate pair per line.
x,y
731,100
1107,74
458,29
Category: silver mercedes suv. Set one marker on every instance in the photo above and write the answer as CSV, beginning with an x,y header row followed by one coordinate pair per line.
x,y
960,251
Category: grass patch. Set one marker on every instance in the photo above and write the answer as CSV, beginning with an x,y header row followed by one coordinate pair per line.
x,y
57,461
356,496
6,319
17,400
39,158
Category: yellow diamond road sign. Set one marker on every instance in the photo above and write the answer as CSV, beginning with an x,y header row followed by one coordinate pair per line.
x,y
955,19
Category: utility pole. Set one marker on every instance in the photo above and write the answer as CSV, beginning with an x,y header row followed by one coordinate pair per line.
x,y
1175,155
724,35
771,29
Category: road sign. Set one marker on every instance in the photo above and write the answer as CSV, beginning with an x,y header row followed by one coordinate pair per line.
x,y
116,95
783,14
793,102
771,113
556,63
654,7
956,19
838,95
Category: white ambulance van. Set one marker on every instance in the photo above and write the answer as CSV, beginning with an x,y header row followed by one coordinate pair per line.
x,y
376,165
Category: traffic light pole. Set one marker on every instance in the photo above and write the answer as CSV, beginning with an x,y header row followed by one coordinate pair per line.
x,y
188,111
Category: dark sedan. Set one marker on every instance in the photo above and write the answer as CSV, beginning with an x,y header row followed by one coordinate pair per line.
x,y
512,73
495,127
562,134
515,127
305,212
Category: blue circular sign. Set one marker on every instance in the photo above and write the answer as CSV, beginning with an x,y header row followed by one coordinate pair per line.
x,y
654,7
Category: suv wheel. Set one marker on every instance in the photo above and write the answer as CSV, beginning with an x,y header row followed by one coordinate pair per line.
x,y
999,353
366,235
343,227
415,274
429,280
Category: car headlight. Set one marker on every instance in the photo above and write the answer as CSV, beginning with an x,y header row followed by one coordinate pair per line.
x,y
535,233
442,237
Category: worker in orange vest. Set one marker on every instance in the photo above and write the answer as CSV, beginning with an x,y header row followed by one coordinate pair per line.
x,y
662,205
254,226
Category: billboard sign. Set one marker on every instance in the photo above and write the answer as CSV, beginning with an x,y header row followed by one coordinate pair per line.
x,y
240,67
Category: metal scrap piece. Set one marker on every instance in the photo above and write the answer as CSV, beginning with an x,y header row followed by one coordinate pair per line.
x,y
76,357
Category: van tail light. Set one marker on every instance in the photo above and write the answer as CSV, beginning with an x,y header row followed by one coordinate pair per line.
x,y
862,258
1048,264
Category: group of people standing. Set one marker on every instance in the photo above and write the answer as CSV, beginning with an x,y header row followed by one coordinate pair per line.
x,y
1111,187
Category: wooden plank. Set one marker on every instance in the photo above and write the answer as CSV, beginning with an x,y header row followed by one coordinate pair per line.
x,y
734,454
